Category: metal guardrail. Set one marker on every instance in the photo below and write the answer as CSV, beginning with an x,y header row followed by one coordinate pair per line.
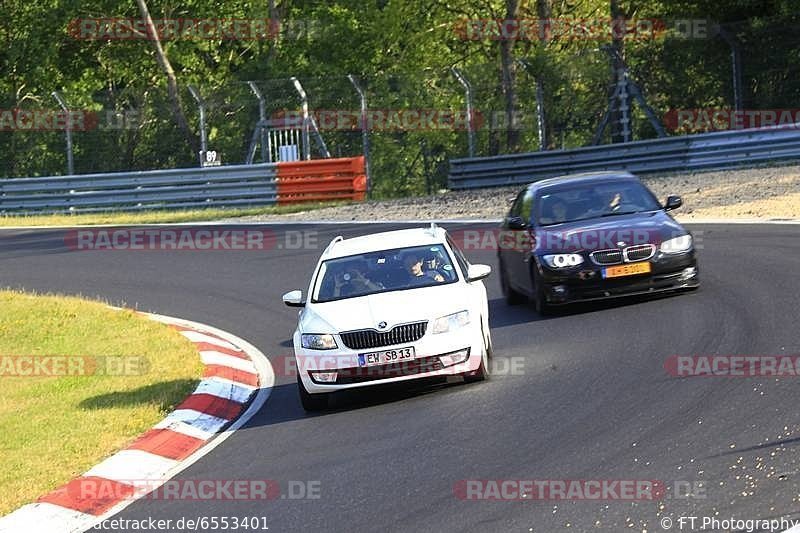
x,y
223,186
707,151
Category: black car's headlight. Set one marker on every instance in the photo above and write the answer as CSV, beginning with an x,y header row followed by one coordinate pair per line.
x,y
562,260
677,245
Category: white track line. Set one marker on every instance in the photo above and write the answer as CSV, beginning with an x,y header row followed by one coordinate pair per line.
x,y
189,430
128,464
43,518
196,336
267,382
211,357
224,389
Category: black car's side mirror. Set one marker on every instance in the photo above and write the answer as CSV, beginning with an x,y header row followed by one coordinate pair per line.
x,y
673,202
516,223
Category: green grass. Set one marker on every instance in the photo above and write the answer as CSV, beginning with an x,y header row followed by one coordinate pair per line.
x,y
155,217
55,428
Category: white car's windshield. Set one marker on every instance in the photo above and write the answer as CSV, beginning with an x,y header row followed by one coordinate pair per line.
x,y
383,271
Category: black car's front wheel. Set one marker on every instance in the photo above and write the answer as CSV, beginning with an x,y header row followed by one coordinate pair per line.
x,y
539,299
312,402
512,297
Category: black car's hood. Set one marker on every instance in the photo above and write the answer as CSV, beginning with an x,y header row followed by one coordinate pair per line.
x,y
607,232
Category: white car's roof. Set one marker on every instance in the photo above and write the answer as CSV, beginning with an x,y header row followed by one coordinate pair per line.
x,y
384,241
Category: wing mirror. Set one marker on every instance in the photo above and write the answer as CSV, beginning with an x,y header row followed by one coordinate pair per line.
x,y
294,299
478,272
673,202
516,223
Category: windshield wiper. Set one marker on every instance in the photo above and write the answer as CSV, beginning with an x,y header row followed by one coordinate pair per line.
x,y
614,214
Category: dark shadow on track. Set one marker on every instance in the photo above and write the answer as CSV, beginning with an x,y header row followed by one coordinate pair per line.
x,y
154,393
287,397
757,447
501,314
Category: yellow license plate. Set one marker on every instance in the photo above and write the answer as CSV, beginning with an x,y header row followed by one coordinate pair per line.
x,y
626,270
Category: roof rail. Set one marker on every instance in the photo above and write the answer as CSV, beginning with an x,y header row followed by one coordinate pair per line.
x,y
432,229
336,239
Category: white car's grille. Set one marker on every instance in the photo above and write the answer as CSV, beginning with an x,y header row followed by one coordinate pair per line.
x,y
372,338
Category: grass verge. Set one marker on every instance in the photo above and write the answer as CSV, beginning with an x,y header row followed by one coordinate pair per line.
x,y
156,217
56,427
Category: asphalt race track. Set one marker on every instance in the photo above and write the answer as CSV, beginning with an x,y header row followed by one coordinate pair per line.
x,y
593,399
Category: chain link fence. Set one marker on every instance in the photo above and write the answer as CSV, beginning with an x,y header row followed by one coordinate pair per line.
x,y
417,122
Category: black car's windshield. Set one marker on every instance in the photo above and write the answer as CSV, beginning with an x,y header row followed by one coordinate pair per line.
x,y
383,271
569,203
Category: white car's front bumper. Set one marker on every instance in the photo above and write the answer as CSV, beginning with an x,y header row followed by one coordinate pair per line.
x,y
427,361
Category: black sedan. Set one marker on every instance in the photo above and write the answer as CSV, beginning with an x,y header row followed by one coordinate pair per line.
x,y
592,236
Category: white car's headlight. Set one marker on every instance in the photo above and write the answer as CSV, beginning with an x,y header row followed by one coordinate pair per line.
x,y
443,324
318,341
677,245
563,260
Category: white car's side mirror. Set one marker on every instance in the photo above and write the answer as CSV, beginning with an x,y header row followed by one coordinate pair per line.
x,y
294,299
478,272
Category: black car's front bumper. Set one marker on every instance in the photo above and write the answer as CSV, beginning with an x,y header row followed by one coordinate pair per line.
x,y
585,282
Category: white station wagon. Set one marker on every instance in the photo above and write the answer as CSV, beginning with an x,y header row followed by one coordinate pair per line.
x,y
389,307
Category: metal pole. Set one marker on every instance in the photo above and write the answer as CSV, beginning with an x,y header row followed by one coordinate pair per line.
x,y
624,108
202,107
470,128
67,133
304,99
736,66
270,143
364,129
540,126
262,117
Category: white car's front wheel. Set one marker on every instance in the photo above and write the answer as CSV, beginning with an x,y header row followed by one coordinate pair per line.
x,y
312,402
482,372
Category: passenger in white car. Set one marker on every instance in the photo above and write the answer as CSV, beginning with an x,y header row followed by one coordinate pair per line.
x,y
352,281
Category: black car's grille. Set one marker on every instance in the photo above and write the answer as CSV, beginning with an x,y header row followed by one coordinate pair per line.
x,y
640,252
606,257
371,338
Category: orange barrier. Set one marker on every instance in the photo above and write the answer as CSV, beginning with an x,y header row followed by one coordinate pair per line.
x,y
322,180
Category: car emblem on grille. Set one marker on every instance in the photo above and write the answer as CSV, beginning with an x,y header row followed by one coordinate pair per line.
x,y
381,325
621,244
